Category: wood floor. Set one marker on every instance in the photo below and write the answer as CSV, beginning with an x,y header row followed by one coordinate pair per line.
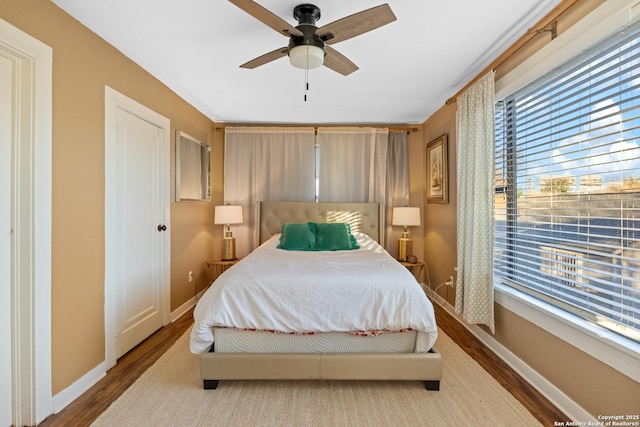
x,y
84,410
538,405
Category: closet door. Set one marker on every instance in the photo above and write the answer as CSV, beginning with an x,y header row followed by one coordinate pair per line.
x,y
136,224
141,230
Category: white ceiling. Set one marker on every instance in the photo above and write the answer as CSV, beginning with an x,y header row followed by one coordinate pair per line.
x,y
408,68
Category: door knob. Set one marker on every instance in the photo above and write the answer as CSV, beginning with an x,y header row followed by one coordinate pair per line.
x,y
162,227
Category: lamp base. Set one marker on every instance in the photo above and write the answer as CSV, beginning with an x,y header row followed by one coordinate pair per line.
x,y
229,248
405,248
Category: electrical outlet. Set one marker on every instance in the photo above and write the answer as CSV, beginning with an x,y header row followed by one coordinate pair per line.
x,y
450,281
190,276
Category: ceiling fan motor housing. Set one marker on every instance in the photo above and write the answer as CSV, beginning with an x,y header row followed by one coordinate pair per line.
x,y
308,37
306,14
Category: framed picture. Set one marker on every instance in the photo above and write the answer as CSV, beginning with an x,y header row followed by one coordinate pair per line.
x,y
437,171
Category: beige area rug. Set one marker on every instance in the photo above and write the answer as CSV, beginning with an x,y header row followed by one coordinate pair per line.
x,y
170,394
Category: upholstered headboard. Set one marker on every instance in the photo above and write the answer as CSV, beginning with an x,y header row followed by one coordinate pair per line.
x,y
364,217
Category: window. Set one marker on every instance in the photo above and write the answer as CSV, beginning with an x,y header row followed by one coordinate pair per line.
x,y
567,199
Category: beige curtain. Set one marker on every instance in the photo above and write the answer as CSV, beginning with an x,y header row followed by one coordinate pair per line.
x,y
475,158
353,164
273,163
266,163
397,185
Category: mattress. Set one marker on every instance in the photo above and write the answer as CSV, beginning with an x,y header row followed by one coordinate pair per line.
x,y
228,340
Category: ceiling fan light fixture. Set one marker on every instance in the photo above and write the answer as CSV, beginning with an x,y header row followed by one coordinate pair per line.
x,y
306,56
307,48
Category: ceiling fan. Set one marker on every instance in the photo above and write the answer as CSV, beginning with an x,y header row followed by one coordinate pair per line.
x,y
308,45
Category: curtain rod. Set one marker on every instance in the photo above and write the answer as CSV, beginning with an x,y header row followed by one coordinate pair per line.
x,y
546,24
408,130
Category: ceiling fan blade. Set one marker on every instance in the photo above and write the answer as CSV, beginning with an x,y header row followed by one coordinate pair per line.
x,y
356,24
267,17
267,57
338,62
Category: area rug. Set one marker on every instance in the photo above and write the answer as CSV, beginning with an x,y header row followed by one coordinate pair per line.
x,y
170,394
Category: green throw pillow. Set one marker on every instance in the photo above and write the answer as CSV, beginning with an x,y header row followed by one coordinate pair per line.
x,y
334,237
298,236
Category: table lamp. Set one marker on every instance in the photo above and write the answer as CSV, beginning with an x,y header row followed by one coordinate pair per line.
x,y
405,216
227,215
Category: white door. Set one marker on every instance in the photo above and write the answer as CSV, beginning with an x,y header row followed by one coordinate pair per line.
x,y
140,229
6,399
25,228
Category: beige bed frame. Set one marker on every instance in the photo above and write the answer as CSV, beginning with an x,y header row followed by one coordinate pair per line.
x,y
367,218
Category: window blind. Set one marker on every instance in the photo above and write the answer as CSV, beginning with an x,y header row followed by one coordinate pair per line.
x,y
567,178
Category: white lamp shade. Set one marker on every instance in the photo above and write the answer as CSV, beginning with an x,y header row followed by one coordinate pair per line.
x,y
306,56
406,216
228,214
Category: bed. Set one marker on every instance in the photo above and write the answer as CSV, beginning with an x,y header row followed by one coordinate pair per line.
x,y
246,330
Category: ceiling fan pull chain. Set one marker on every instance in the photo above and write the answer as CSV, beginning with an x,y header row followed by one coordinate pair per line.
x,y
306,83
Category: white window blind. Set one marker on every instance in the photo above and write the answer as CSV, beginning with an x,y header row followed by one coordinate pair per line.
x,y
567,173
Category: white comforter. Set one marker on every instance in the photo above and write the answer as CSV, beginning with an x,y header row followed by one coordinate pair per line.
x,y
289,291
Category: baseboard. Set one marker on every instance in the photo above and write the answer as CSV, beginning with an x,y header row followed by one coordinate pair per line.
x,y
71,393
88,380
556,396
184,308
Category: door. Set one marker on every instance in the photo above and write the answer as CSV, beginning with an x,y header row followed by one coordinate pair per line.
x,y
6,398
141,230
25,228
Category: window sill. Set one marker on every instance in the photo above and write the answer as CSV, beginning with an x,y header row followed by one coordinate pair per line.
x,y
611,349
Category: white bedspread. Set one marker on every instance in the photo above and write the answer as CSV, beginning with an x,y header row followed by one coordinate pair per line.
x,y
290,291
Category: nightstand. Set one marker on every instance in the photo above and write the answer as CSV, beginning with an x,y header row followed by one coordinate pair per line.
x,y
416,268
220,265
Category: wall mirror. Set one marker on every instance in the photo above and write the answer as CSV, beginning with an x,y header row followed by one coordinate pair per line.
x,y
193,172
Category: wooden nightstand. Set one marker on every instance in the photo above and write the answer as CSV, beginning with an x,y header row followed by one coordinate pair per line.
x,y
416,268
220,265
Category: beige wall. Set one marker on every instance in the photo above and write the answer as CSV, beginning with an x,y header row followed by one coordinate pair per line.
x,y
596,387
440,219
82,65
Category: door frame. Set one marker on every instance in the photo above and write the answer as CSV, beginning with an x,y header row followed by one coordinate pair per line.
x,y
114,101
31,219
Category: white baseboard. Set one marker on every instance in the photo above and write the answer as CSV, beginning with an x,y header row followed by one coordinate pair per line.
x,y
556,396
180,311
184,308
88,380
71,393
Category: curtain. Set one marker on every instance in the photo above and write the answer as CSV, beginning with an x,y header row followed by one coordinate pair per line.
x,y
475,154
353,164
266,163
397,193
